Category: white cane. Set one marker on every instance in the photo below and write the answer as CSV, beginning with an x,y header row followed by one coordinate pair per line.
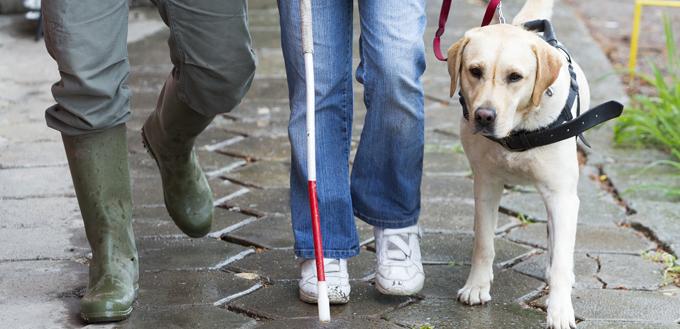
x,y
308,50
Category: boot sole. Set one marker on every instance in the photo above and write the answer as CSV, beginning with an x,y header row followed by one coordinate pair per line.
x,y
110,316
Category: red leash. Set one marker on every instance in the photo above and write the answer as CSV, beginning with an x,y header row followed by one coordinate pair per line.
x,y
444,15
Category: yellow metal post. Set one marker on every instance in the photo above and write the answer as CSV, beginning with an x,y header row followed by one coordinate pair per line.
x,y
634,37
636,24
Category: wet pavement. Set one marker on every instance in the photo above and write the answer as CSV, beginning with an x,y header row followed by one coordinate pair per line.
x,y
244,274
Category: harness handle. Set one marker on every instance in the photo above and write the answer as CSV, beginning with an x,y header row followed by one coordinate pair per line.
x,y
444,16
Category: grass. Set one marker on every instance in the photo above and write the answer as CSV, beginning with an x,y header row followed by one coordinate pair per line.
x,y
654,120
671,273
525,221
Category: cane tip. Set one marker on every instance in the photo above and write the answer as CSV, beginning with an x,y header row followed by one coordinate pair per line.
x,y
323,303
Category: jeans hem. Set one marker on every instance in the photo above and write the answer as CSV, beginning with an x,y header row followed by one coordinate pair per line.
x,y
342,254
386,223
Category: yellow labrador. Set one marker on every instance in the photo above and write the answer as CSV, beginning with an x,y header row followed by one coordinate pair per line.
x,y
505,73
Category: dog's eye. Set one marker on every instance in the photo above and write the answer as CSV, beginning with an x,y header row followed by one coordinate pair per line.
x,y
514,77
476,72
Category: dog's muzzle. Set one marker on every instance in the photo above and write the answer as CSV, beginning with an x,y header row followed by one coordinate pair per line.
x,y
484,119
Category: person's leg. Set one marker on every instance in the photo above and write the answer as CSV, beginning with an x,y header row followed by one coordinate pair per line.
x,y
332,30
101,178
88,41
387,169
210,47
90,46
214,67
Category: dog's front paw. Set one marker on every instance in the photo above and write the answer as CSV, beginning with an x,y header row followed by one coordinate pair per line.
x,y
474,294
560,314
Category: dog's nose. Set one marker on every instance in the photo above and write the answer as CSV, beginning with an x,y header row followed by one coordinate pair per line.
x,y
484,116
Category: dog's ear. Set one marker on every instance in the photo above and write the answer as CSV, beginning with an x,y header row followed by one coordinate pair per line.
x,y
548,66
454,57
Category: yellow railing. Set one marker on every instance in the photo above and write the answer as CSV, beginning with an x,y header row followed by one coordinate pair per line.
x,y
636,24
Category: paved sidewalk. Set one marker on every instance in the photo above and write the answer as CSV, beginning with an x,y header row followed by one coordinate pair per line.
x,y
244,274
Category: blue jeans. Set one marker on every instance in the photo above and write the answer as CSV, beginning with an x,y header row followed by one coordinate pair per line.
x,y
384,187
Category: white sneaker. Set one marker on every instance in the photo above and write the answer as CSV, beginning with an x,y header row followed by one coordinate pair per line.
x,y
399,270
337,280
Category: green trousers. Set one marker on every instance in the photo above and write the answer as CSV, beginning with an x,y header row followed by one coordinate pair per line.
x,y
210,47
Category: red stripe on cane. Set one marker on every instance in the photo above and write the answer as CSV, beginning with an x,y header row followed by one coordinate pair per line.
x,y
316,228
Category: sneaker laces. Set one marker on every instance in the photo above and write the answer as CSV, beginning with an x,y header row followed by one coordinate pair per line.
x,y
398,245
332,266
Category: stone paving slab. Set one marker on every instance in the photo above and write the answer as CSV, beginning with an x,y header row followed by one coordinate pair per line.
x,y
35,244
147,191
52,212
447,248
187,288
28,132
444,281
282,265
437,162
214,164
585,269
253,128
446,187
213,135
637,325
456,215
44,279
268,89
268,201
142,165
336,323
442,140
588,238
280,301
44,182
186,317
267,116
26,155
184,254
440,115
221,188
261,174
625,176
624,305
134,139
597,207
662,219
273,231
448,313
618,154
155,222
261,148
47,313
615,271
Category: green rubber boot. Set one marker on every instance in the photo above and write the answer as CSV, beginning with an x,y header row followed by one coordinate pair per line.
x,y
101,177
169,135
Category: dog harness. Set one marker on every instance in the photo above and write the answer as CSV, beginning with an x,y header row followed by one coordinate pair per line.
x,y
565,126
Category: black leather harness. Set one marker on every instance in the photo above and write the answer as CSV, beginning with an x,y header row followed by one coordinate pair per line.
x,y
565,126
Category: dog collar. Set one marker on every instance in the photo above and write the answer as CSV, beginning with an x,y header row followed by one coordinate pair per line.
x,y
565,126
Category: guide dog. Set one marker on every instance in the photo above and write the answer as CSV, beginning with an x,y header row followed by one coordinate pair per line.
x,y
512,80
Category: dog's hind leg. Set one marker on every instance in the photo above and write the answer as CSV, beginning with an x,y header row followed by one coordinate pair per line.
x,y
562,205
488,194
